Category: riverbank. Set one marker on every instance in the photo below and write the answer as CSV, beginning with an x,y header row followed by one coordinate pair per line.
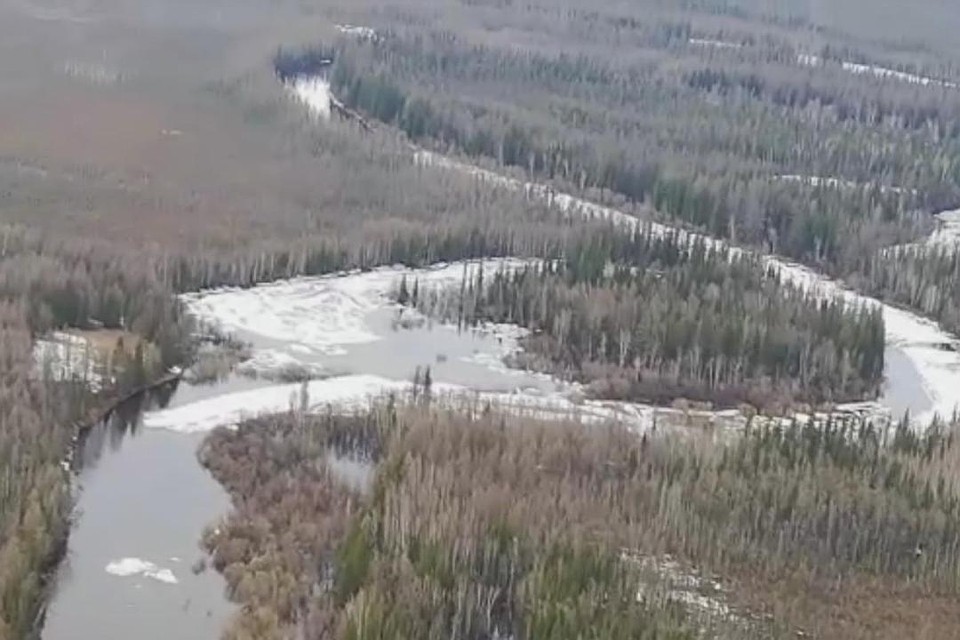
x,y
81,430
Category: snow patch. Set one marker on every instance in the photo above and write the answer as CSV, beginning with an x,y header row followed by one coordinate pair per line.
x,y
714,44
947,233
63,357
355,393
946,237
127,567
363,33
314,93
274,364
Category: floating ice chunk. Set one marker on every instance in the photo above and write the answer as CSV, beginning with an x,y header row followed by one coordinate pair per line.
x,y
126,567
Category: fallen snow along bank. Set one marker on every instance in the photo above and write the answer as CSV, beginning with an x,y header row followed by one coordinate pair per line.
x,y
356,392
808,60
127,567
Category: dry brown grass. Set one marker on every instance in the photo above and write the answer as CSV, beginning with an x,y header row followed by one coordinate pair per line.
x,y
855,608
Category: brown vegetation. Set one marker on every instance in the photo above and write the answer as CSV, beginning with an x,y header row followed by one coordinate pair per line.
x,y
146,149
501,526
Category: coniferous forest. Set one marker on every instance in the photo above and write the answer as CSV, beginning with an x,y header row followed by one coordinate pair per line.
x,y
655,319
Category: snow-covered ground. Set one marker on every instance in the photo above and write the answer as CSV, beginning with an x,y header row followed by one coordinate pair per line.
x,y
96,73
127,567
64,356
947,234
809,60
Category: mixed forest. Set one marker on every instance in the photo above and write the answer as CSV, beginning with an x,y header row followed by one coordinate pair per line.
x,y
482,524
823,155
831,144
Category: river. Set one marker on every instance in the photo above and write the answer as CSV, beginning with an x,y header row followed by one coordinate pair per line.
x,y
144,499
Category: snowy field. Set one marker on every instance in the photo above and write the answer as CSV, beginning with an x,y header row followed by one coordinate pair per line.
x,y
356,31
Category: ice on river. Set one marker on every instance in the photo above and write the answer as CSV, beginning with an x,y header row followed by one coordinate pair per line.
x,y
323,314
127,567
314,93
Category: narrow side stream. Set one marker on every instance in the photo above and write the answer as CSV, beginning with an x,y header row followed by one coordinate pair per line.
x,y
143,502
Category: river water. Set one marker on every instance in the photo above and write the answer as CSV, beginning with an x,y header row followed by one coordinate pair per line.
x,y
143,495
144,499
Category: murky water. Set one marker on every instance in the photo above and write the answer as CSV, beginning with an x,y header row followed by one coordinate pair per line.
x,y
143,494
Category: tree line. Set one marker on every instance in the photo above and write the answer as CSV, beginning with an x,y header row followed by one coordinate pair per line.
x,y
653,319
